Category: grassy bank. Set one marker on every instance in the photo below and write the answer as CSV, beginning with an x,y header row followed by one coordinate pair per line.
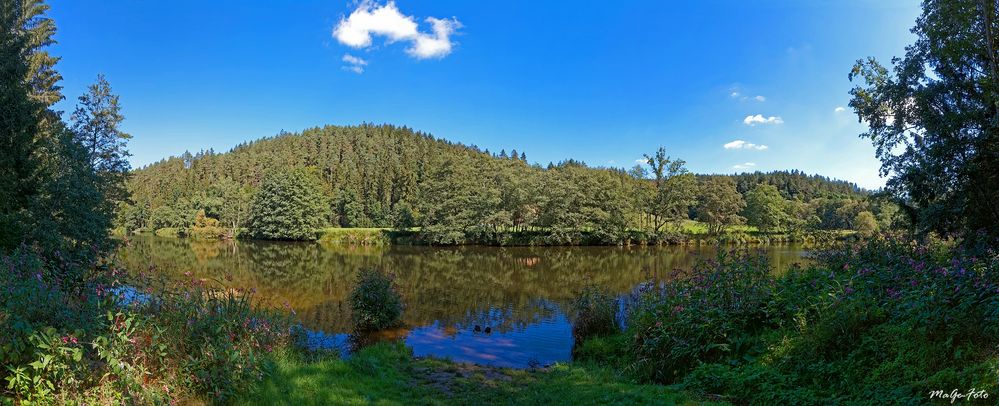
x,y
387,374
358,236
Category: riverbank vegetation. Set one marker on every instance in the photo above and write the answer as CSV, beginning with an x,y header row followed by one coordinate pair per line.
x,y
884,321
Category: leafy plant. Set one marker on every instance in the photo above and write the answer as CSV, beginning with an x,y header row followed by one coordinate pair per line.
x,y
596,313
375,302
699,316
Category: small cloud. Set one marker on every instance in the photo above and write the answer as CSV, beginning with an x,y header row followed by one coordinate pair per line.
x,y
839,109
641,161
759,119
747,165
736,94
370,19
740,144
354,64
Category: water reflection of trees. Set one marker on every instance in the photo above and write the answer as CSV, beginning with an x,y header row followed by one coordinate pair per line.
x,y
504,288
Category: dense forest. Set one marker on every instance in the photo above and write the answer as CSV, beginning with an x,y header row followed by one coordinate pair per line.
x,y
388,176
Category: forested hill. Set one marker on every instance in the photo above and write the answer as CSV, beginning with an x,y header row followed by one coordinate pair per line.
x,y
795,184
385,176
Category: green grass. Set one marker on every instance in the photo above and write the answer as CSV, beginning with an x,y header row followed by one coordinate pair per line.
x,y
696,227
387,374
168,232
355,236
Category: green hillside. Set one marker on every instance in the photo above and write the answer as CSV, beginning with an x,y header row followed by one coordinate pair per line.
x,y
387,176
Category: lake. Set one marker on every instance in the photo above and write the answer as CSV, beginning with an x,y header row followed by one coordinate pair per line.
x,y
496,306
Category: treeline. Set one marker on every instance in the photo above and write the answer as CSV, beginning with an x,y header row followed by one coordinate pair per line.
x,y
388,176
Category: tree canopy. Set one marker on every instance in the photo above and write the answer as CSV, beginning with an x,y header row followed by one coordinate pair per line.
x,y
55,197
388,176
933,117
289,206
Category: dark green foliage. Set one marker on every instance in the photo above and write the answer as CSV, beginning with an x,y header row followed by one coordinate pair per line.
x,y
222,335
52,195
95,128
883,321
170,217
596,314
375,302
701,317
106,343
795,184
289,206
386,176
934,117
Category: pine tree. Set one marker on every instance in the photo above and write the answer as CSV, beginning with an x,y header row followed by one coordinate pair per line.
x,y
96,122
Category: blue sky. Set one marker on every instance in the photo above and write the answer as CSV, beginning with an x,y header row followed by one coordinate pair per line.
x,y
602,82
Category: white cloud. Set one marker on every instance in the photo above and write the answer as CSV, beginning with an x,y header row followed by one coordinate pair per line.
x,y
740,144
438,45
370,19
759,119
747,165
736,95
839,109
354,64
641,161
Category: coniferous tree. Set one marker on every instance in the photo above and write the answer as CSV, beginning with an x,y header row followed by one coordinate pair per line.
x,y
96,123
49,186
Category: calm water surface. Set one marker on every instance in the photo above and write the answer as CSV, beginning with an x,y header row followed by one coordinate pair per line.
x,y
489,305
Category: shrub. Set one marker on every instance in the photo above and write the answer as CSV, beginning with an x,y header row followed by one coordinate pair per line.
x,y
612,350
701,316
94,341
596,314
375,302
206,228
221,334
883,321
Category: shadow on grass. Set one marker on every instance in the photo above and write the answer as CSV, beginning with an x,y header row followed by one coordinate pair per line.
x,y
387,374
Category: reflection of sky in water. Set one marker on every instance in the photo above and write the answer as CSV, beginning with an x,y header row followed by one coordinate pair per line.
x,y
320,340
536,344
544,342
